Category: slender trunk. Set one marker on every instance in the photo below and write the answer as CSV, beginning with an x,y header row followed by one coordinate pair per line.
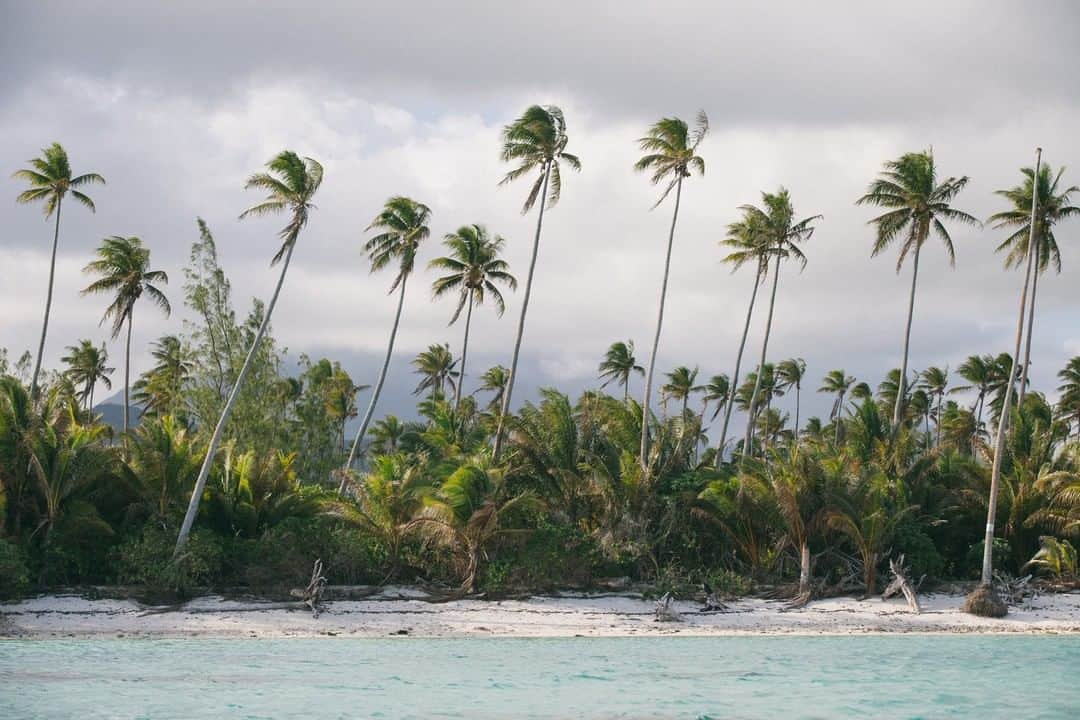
x,y
836,418
940,399
90,402
378,389
219,429
626,391
798,391
804,567
504,406
1030,323
999,442
902,388
730,402
761,364
659,327
48,303
464,354
127,374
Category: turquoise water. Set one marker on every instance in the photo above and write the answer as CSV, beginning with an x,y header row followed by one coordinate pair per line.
x,y
867,677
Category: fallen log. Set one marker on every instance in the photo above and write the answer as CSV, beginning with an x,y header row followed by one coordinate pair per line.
x,y
665,612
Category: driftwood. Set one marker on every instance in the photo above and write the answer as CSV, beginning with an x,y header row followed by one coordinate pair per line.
x,y
312,594
900,584
664,611
1015,591
713,603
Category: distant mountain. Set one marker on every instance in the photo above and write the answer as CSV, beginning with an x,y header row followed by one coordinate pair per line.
x,y
111,410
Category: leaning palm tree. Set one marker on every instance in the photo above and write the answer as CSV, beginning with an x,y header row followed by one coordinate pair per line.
x,y
781,234
123,269
474,267
436,367
495,381
790,374
748,246
50,180
671,155
86,368
291,183
1053,207
618,365
403,223
536,141
837,383
915,203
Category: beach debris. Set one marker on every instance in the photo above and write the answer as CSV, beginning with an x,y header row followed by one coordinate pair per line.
x,y
1015,591
713,603
900,584
985,602
312,594
664,610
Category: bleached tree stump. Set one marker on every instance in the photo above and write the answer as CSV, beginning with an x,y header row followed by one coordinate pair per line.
x,y
312,594
665,612
901,584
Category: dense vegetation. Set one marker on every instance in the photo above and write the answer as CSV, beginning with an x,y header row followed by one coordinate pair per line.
x,y
252,457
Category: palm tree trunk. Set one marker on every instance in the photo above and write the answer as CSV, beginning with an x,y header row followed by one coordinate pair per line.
x,y
508,393
730,402
1030,323
464,354
659,327
798,392
48,302
378,388
127,374
804,567
219,429
761,364
902,389
940,399
999,442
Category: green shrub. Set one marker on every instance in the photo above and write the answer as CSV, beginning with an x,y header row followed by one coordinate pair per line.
x,y
920,553
1001,554
547,557
14,576
147,561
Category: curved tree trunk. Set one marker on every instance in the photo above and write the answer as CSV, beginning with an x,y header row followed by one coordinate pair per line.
x,y
659,327
747,447
464,354
999,441
508,393
219,429
901,390
48,302
1030,323
735,377
378,389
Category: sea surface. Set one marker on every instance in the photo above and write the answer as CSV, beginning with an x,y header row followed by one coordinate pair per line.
x,y
865,677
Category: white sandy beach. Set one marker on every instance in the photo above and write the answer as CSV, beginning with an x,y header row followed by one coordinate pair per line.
x,y
404,612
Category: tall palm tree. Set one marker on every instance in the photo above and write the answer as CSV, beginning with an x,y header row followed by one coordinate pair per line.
x,y
536,141
123,267
717,390
790,374
474,267
159,389
915,203
1053,206
781,234
50,180
999,440
436,368
495,380
671,155
680,386
87,366
1069,402
403,223
748,245
618,365
836,382
340,399
291,184
978,370
935,381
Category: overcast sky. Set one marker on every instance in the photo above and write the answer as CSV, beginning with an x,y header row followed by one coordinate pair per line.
x,y
176,104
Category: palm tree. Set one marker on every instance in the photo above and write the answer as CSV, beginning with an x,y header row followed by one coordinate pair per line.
x,y
671,154
790,374
495,380
680,386
123,267
916,204
50,180
749,245
935,381
387,434
717,390
340,399
159,389
1053,206
87,367
781,235
536,141
474,268
291,183
978,370
836,382
1069,402
404,225
436,366
618,365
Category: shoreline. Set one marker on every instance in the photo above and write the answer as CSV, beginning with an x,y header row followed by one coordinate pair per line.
x,y
406,612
